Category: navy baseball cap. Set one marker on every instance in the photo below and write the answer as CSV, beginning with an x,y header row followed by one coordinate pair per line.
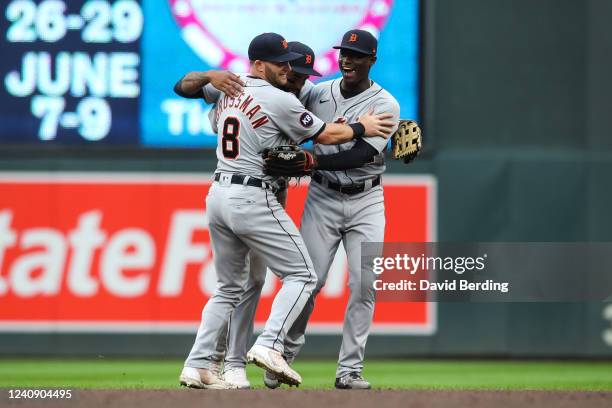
x,y
305,64
271,47
359,40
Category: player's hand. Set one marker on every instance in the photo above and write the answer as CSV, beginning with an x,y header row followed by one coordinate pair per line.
x,y
377,124
227,82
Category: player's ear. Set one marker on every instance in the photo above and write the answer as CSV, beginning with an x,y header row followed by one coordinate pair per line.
x,y
373,60
259,66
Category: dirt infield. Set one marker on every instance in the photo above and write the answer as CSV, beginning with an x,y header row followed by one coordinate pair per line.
x,y
340,399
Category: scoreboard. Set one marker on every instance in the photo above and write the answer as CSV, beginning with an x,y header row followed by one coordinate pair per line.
x,y
71,71
101,72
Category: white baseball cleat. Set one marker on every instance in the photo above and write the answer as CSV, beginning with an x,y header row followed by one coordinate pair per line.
x,y
237,377
270,380
272,361
202,378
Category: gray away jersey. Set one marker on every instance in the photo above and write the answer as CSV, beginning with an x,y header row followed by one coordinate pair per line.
x,y
262,117
305,91
327,103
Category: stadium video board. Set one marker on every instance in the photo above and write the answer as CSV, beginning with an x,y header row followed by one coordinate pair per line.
x,y
101,72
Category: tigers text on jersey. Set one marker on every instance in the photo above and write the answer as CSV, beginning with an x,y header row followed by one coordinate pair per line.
x,y
261,117
327,103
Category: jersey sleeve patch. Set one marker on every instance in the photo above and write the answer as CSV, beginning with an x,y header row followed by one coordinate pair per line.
x,y
306,119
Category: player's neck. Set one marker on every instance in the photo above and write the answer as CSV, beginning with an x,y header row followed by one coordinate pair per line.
x,y
350,90
253,73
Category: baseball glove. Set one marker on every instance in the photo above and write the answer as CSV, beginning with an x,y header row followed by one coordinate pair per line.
x,y
288,161
406,141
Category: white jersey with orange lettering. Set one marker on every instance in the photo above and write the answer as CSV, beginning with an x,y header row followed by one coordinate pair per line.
x,y
261,117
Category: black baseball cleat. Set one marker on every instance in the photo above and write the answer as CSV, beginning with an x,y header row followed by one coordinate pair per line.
x,y
352,381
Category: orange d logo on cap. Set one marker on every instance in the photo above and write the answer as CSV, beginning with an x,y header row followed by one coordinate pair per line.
x,y
359,41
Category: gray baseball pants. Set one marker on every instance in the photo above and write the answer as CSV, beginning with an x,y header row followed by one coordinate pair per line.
x,y
243,218
330,217
233,348
234,345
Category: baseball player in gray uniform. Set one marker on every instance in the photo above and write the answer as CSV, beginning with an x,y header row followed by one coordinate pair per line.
x,y
233,351
346,204
243,213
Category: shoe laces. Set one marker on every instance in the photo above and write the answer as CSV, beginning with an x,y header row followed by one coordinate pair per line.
x,y
355,376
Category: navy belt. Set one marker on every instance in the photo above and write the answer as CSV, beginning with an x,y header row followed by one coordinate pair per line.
x,y
251,181
352,189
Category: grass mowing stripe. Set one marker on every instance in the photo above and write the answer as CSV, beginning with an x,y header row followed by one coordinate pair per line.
x,y
403,374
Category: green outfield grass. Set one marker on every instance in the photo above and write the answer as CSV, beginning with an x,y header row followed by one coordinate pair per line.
x,y
396,374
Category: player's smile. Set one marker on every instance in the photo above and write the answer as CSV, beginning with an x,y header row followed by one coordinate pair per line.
x,y
348,72
354,66
276,73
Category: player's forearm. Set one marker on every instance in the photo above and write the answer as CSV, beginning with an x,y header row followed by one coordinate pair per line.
x,y
191,84
357,156
335,133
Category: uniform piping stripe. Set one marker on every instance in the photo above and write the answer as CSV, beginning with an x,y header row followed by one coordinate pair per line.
x,y
362,101
305,263
314,137
256,86
331,91
228,332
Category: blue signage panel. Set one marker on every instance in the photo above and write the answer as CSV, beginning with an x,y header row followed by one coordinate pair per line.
x,y
102,72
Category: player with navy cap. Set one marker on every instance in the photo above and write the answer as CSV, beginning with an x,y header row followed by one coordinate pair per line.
x,y
233,351
243,212
347,180
301,69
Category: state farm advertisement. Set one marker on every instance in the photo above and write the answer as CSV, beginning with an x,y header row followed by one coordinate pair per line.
x,y
89,252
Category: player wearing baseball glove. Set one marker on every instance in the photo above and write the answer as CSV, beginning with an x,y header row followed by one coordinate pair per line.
x,y
288,161
406,141
293,161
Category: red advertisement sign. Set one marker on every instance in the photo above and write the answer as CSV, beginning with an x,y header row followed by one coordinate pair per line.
x,y
131,252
